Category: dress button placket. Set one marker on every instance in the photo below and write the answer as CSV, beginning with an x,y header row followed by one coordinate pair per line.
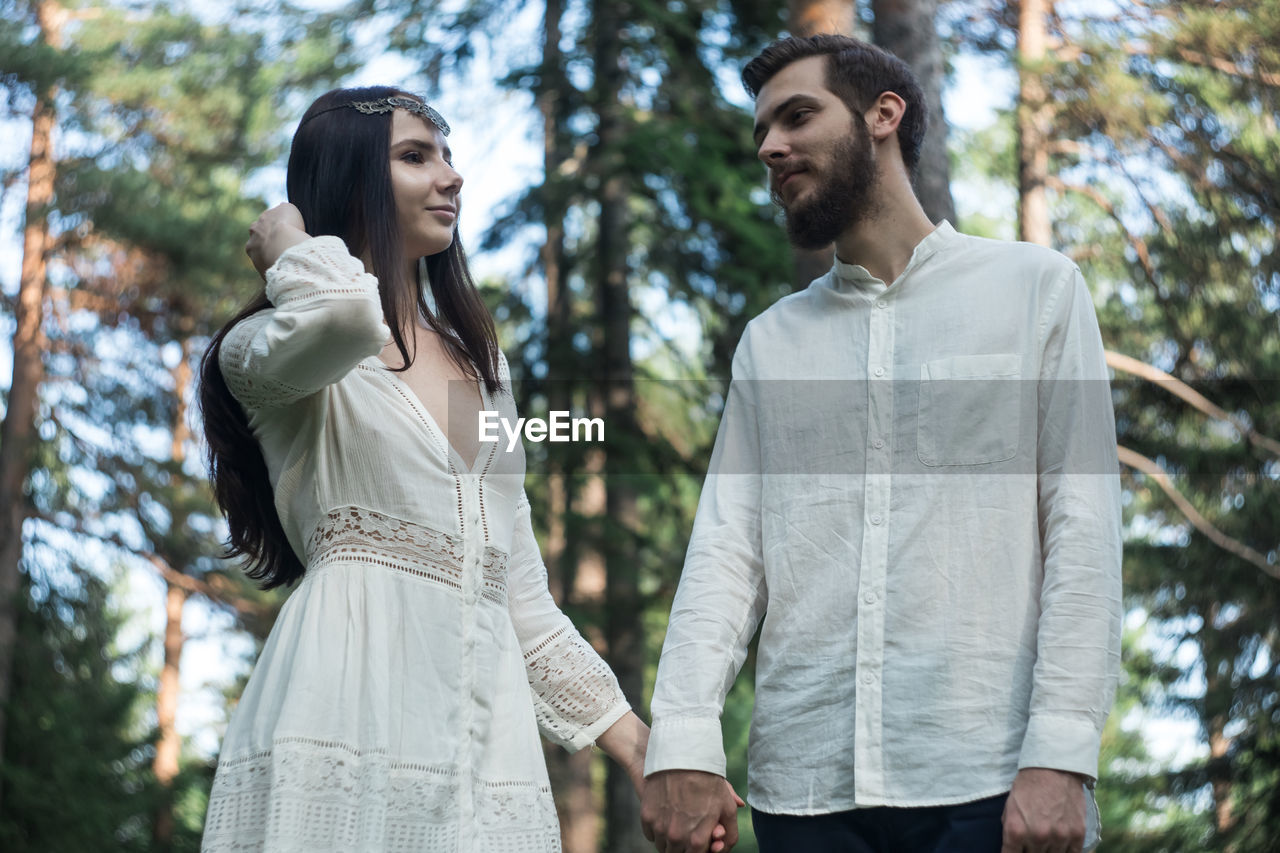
x,y
471,536
473,541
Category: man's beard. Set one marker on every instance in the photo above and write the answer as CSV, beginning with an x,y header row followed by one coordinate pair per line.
x,y
842,199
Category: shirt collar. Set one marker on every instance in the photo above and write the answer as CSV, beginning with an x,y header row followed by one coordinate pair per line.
x,y
857,276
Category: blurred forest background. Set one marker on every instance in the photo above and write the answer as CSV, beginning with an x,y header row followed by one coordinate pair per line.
x,y
1139,138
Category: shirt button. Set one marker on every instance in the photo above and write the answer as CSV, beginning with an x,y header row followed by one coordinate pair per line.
x,y
878,443
869,598
875,519
879,371
880,303
868,678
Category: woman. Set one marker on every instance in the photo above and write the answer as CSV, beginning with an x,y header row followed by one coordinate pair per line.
x,y
397,702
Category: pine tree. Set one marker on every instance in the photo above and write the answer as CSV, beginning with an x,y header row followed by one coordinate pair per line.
x,y
75,771
143,262
17,434
1148,154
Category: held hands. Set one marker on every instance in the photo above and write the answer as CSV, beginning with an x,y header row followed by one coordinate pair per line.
x,y
274,231
1044,812
690,811
626,742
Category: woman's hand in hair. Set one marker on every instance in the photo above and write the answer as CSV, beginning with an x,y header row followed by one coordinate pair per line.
x,y
274,231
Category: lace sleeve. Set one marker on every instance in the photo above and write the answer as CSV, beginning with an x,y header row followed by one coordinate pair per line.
x,y
575,695
326,317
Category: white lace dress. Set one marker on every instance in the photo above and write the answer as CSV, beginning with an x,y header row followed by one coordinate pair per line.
x,y
397,703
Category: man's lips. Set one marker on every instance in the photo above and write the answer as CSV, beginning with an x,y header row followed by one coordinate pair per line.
x,y
784,178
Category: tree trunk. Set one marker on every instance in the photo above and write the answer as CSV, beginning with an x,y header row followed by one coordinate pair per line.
x,y
17,434
811,17
906,29
808,18
168,744
1218,698
576,803
1219,744
558,350
1035,115
623,607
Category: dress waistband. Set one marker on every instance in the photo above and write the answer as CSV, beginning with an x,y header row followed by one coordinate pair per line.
x,y
356,533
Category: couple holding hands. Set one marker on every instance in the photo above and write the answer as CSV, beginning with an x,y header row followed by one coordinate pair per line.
x,y
913,495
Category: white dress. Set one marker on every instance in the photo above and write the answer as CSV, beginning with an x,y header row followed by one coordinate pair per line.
x,y
397,703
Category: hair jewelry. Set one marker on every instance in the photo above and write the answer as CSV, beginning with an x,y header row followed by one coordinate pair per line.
x,y
386,105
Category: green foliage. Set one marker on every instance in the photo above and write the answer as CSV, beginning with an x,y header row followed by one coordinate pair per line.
x,y
1166,153
981,163
76,773
1168,200
164,119
1134,796
152,204
1181,135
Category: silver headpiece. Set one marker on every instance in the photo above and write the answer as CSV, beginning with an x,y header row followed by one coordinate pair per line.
x,y
418,108
395,102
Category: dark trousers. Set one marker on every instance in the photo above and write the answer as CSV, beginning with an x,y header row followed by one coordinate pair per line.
x,y
965,828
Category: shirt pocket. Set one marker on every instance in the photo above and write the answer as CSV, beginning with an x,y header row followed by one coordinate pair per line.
x,y
969,410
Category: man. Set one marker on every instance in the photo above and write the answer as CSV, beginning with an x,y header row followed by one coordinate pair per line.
x,y
915,484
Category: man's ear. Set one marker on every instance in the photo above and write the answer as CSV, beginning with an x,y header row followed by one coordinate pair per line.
x,y
884,115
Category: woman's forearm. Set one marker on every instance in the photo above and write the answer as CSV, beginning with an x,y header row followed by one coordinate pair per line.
x,y
625,742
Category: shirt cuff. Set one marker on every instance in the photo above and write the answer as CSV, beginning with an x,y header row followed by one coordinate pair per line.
x,y
1061,743
319,266
686,743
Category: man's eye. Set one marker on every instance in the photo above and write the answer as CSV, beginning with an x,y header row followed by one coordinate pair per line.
x,y
800,115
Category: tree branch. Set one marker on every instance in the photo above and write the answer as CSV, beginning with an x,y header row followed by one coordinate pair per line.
x,y
1156,212
1073,146
1151,469
1204,60
1182,390
1139,245
1140,249
216,589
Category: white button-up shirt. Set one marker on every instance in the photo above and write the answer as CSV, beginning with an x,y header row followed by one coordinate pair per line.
x,y
916,486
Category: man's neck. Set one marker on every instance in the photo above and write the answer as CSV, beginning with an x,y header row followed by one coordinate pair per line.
x,y
884,242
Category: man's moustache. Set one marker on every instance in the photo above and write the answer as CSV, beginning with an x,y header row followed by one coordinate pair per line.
x,y
775,174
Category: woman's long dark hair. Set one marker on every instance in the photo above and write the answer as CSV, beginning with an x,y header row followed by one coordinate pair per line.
x,y
340,179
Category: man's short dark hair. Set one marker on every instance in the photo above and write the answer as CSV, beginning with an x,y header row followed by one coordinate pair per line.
x,y
857,73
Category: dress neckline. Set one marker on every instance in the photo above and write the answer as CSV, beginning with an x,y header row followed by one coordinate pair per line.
x,y
454,458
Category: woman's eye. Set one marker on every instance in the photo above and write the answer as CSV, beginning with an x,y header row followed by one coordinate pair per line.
x,y
412,157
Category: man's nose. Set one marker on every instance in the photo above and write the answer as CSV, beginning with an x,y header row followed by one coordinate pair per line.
x,y
773,147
